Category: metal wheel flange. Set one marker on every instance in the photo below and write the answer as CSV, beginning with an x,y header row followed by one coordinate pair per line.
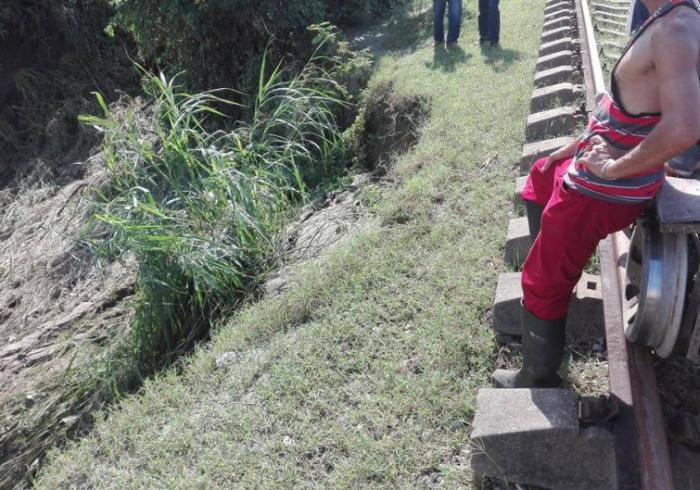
x,y
655,284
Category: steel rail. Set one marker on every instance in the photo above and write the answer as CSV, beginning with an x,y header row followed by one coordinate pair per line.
x,y
641,446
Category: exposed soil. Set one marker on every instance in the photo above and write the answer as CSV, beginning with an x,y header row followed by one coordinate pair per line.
x,y
679,384
392,123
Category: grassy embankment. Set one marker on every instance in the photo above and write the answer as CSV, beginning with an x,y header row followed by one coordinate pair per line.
x,y
364,373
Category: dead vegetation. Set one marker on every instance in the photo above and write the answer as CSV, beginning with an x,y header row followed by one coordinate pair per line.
x,y
57,306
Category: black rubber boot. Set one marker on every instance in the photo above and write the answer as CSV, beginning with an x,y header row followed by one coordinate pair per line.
x,y
543,352
534,217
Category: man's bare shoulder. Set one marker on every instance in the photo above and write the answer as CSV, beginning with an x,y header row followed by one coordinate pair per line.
x,y
681,24
677,36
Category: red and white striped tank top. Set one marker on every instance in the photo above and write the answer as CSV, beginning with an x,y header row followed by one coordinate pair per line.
x,y
624,131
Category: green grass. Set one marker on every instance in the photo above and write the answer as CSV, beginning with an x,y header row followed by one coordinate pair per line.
x,y
197,201
193,202
198,207
364,373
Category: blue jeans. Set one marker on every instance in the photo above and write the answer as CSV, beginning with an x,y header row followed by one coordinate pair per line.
x,y
687,162
454,20
489,21
639,15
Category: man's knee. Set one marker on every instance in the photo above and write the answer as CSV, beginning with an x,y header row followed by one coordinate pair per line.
x,y
546,301
539,184
537,166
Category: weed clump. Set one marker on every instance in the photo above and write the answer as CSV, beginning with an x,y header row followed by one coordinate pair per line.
x,y
197,204
189,204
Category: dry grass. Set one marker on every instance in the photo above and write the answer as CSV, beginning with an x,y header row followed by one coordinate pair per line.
x,y
52,299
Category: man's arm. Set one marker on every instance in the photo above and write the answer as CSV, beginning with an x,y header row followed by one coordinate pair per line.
x,y
675,54
563,152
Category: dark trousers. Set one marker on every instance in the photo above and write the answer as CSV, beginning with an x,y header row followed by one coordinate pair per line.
x,y
639,15
489,21
454,20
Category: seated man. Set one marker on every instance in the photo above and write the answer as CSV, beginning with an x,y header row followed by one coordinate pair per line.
x,y
687,163
603,181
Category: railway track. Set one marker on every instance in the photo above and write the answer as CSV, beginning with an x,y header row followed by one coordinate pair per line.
x,y
641,447
619,441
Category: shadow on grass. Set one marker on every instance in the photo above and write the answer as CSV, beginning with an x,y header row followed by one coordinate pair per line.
x,y
401,33
447,59
499,58
409,31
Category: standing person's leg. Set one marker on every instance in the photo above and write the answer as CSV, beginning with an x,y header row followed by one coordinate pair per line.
x,y
454,21
494,22
483,20
439,21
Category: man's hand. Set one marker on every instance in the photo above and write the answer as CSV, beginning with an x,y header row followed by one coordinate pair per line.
x,y
562,153
598,154
675,52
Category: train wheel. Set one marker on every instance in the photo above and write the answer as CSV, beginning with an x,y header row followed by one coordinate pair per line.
x,y
655,284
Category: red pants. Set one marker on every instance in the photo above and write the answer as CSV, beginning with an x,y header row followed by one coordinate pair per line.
x,y
572,226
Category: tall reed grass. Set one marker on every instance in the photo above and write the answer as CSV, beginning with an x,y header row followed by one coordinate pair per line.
x,y
194,198
196,201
